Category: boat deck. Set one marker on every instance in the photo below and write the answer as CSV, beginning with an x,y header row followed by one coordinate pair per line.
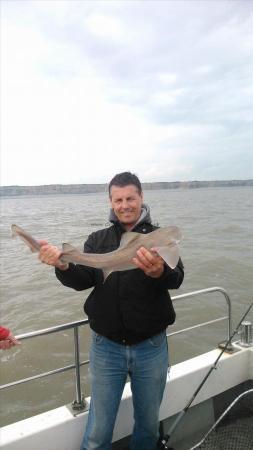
x,y
234,436
233,430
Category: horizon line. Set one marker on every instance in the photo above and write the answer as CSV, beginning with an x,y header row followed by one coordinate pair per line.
x,y
143,182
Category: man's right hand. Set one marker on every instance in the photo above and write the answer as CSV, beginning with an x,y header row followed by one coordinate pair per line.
x,y
50,254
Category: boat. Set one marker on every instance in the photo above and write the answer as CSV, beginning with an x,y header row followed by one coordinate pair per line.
x,y
214,385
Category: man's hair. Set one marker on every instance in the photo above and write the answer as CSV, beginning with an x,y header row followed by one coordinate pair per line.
x,y
124,179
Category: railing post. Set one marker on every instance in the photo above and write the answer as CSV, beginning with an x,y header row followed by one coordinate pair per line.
x,y
229,306
79,402
207,291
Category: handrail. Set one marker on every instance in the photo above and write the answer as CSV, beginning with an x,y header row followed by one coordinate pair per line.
x,y
208,291
79,403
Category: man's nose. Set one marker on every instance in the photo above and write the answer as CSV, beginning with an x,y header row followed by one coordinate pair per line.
x,y
125,204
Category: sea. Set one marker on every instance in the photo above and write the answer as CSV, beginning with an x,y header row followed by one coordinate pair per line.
x,y
216,249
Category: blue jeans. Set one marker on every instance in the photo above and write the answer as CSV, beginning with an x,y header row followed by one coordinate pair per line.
x,y
147,364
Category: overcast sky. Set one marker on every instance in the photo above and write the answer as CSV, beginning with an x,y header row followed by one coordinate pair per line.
x,y
93,88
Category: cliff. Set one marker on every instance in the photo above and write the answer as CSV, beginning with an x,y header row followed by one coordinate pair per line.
x,y
55,189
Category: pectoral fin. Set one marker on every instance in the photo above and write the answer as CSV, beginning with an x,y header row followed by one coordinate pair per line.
x,y
170,254
106,273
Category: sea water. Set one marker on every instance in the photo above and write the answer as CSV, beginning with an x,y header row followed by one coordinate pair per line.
x,y
216,250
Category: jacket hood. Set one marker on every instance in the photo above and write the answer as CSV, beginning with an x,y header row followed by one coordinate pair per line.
x,y
144,217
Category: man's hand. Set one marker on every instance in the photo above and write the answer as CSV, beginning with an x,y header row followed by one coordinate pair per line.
x,y
150,262
49,254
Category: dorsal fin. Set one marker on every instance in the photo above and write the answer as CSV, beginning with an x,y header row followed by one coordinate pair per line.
x,y
128,237
68,247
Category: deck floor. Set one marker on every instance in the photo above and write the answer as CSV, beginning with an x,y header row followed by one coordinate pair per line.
x,y
237,435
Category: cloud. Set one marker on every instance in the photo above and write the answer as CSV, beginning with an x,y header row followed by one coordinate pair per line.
x,y
93,88
106,27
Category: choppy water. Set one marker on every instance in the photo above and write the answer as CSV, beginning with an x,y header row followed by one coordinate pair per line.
x,y
216,251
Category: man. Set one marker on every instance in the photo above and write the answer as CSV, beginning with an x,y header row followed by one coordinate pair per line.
x,y
128,315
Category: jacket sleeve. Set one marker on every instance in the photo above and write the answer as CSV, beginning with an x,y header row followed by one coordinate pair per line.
x,y
77,276
171,278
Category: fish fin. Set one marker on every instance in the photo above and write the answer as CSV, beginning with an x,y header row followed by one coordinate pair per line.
x,y
127,237
68,247
169,253
69,253
14,230
106,273
17,231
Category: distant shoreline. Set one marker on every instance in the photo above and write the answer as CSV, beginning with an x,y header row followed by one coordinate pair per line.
x,y
52,189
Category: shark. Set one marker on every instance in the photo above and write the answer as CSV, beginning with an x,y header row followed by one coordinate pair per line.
x,y
163,241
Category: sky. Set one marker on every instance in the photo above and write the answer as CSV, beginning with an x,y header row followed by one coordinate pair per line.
x,y
93,88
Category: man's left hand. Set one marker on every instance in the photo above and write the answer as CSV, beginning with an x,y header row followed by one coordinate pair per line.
x,y
150,262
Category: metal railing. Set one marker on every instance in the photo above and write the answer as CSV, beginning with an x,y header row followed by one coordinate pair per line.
x,y
79,402
232,432
207,291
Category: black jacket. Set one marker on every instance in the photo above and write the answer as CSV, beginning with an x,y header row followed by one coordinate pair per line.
x,y
129,306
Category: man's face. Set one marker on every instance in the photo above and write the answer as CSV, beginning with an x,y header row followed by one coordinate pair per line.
x,y
126,203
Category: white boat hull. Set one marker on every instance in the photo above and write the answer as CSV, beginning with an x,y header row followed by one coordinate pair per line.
x,y
59,429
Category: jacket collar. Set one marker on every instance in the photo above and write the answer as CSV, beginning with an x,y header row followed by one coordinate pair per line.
x,y
144,217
